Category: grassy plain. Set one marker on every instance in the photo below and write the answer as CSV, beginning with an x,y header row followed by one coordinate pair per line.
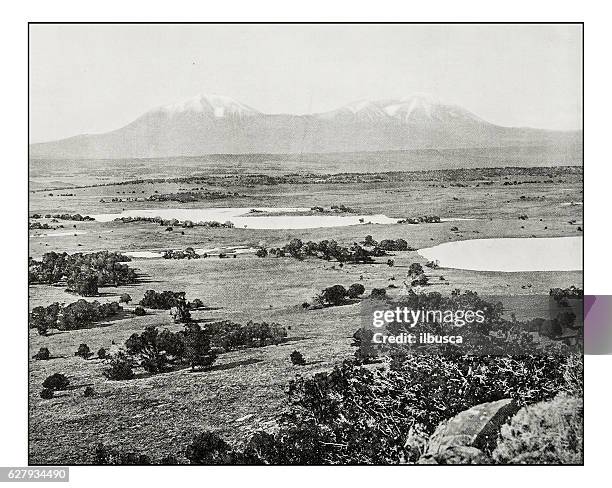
x,y
245,389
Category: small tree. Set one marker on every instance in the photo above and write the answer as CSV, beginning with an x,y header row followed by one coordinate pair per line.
x,y
120,367
415,269
89,391
56,381
378,293
262,252
369,241
355,290
197,351
297,358
102,353
420,280
125,298
83,351
46,393
334,295
209,448
84,283
42,355
180,313
140,311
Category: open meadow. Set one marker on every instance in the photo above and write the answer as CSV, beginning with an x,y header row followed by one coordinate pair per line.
x,y
245,389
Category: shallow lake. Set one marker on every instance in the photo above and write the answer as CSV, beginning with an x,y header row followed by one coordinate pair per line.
x,y
509,254
242,218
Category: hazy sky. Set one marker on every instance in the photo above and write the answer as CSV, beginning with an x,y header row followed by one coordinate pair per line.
x,y
96,78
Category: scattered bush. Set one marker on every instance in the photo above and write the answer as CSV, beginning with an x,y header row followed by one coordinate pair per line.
x,y
125,298
84,351
56,381
42,355
47,393
208,448
393,245
356,290
297,358
164,300
197,348
140,311
230,336
378,293
89,391
415,269
102,354
79,270
106,455
334,295
76,315
120,367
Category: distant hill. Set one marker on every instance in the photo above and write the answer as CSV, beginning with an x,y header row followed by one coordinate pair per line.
x,y
213,124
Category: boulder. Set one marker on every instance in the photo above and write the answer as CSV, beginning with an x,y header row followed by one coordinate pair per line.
x,y
468,437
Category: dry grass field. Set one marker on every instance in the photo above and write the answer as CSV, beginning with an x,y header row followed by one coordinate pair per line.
x,y
245,389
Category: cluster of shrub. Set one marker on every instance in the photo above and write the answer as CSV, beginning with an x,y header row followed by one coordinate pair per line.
x,y
228,336
83,272
176,222
192,196
188,253
75,315
336,295
39,226
159,351
356,415
165,300
426,219
77,217
325,249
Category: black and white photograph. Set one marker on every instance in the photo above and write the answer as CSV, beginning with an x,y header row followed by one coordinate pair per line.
x,y
305,244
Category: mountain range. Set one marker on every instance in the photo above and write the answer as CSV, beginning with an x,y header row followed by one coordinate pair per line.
x,y
215,124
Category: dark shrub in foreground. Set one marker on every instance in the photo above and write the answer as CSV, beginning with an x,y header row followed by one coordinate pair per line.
x,y
89,391
102,354
56,381
209,448
107,455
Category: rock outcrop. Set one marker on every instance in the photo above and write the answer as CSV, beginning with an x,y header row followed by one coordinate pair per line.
x,y
470,436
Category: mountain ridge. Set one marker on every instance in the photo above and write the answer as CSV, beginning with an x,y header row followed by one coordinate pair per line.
x,y
217,124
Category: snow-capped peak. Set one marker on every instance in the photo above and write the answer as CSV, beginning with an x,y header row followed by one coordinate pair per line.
x,y
425,107
218,106
420,107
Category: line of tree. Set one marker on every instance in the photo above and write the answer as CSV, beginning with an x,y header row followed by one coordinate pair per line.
x,y
75,315
175,222
82,272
